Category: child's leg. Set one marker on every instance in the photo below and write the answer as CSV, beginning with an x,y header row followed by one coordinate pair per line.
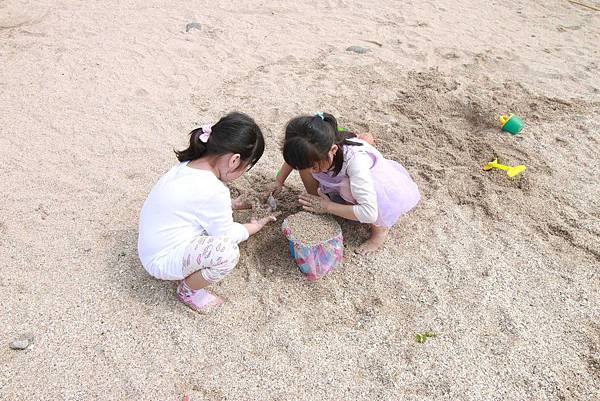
x,y
209,259
310,184
378,236
206,261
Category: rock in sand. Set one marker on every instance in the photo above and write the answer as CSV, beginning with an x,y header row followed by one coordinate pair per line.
x,y
21,343
358,49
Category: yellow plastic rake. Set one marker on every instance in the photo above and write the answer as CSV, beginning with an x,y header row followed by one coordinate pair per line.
x,y
511,171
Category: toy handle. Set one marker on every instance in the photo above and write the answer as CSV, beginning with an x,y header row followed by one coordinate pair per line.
x,y
504,118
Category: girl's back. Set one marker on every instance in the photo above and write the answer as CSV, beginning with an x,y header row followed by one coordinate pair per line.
x,y
181,205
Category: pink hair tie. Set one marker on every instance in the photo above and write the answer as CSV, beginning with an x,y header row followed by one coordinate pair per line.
x,y
206,131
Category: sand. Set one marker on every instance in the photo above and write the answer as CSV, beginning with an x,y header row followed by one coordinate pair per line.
x,y
310,228
94,96
263,208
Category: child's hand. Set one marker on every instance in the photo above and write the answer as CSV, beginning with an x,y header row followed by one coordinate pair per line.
x,y
264,221
282,175
240,203
272,190
256,225
275,188
315,204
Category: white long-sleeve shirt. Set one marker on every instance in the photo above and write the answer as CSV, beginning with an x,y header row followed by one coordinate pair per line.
x,y
362,187
184,203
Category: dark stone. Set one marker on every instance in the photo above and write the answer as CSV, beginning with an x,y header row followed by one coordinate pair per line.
x,y
192,25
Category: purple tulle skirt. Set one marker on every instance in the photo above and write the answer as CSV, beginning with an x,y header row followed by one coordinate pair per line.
x,y
396,191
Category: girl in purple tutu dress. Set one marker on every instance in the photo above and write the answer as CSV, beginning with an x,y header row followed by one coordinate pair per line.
x,y
346,176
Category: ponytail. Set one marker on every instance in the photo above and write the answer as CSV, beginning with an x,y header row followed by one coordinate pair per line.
x,y
235,133
341,139
195,150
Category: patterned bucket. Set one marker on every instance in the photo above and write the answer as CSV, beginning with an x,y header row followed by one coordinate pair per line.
x,y
315,260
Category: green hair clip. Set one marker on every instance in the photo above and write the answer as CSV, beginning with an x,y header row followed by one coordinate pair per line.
x,y
320,114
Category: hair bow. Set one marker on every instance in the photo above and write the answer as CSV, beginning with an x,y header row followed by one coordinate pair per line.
x,y
320,114
206,131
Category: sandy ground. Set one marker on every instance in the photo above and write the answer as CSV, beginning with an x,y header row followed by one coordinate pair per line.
x,y
95,95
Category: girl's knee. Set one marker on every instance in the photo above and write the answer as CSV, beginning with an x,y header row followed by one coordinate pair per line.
x,y
232,250
227,257
219,271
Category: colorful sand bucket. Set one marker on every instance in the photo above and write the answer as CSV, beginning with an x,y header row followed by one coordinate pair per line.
x,y
315,260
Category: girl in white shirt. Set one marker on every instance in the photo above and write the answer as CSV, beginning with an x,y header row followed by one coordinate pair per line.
x,y
346,176
186,229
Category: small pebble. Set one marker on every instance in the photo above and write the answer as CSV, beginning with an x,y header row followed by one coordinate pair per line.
x,y
192,25
358,49
21,343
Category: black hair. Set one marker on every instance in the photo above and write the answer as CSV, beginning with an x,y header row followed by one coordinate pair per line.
x,y
308,139
234,133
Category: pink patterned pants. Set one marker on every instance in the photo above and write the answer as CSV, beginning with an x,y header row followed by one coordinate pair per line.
x,y
214,257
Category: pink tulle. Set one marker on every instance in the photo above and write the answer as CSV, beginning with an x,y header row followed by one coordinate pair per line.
x,y
396,191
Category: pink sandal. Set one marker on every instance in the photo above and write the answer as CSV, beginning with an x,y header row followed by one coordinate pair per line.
x,y
201,300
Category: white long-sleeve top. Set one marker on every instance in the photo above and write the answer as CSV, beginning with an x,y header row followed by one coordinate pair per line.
x,y
184,203
361,186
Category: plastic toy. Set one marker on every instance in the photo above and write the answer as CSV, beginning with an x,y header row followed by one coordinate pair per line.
x,y
511,123
511,171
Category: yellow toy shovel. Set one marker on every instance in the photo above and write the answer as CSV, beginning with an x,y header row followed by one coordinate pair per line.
x,y
511,171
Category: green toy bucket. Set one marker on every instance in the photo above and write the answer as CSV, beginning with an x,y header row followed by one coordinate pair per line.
x,y
511,123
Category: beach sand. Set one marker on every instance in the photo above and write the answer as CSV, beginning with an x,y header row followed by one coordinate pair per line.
x,y
94,96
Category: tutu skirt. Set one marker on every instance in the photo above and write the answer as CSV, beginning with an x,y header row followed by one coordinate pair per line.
x,y
396,192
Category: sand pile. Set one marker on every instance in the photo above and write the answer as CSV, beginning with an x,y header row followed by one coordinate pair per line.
x,y
263,208
310,228
255,201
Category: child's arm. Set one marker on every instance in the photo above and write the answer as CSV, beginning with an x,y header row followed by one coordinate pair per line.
x,y
257,225
322,204
283,173
218,216
280,178
362,188
310,183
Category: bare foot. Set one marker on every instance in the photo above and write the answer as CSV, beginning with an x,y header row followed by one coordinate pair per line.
x,y
378,236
